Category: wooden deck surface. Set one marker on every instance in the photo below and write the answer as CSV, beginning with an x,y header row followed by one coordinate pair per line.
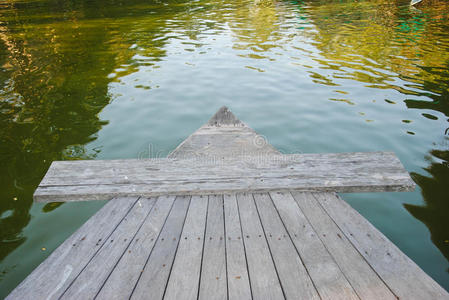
x,y
256,237
276,245
224,135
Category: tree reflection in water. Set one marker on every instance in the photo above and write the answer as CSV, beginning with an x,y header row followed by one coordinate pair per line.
x,y
58,60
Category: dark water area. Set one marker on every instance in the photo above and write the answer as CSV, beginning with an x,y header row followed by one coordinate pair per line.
x,y
111,79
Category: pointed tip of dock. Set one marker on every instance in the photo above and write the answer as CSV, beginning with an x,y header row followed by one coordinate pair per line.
x,y
224,117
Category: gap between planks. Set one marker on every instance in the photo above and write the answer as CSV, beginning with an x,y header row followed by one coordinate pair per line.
x,y
251,248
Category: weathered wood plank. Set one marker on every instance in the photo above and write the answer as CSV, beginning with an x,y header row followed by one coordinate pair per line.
x,y
294,278
123,278
213,283
223,136
56,273
342,172
325,273
238,280
157,269
361,276
399,272
262,272
224,117
185,275
104,261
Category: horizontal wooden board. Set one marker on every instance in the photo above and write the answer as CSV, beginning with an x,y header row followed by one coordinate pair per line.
x,y
339,172
223,136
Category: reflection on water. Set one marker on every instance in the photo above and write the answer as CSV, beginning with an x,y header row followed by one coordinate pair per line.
x,y
90,79
434,190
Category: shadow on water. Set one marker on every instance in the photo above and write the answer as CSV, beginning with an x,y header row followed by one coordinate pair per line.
x,y
434,214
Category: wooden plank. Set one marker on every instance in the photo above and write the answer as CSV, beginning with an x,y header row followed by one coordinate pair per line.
x,y
157,269
223,136
325,273
361,276
341,172
262,272
52,277
238,279
223,141
185,274
224,117
399,272
213,283
123,279
89,282
294,278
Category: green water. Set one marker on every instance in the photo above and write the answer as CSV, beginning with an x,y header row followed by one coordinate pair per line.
x,y
106,79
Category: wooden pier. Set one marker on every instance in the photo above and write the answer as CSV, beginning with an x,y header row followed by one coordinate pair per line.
x,y
226,216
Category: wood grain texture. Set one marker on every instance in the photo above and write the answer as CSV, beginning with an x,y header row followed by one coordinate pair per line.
x,y
213,283
341,172
238,279
263,247
224,135
104,261
263,276
399,272
123,278
366,283
241,245
185,275
52,277
224,117
156,271
324,271
294,278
